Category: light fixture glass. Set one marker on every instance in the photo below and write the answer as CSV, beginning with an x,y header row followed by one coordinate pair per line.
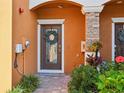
x,y
119,2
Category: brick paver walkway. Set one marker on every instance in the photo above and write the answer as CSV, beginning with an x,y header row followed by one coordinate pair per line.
x,y
54,83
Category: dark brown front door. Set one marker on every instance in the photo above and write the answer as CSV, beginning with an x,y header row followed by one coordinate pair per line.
x,y
51,47
119,39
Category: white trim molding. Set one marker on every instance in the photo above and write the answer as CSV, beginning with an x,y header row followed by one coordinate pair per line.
x,y
88,9
118,20
50,21
38,45
50,71
115,20
113,41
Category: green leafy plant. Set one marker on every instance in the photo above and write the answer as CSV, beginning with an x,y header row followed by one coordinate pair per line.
x,y
29,83
17,89
88,79
105,66
111,82
119,66
83,80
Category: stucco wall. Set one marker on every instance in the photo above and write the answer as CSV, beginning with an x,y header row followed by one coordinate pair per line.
x,y
24,27
74,32
110,11
5,45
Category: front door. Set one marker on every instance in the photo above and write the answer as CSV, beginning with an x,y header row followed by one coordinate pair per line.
x,y
119,39
51,45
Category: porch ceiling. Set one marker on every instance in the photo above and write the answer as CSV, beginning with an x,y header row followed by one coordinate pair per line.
x,y
60,4
36,3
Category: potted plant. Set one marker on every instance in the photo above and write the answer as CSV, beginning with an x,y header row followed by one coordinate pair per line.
x,y
93,58
95,47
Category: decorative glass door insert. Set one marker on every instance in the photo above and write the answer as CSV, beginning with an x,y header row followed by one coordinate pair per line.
x,y
119,39
51,47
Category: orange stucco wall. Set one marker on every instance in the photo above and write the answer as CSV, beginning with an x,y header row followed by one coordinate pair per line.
x,y
74,32
110,11
24,27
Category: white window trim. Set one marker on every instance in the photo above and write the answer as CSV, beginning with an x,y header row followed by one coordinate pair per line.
x,y
115,20
113,41
50,21
118,20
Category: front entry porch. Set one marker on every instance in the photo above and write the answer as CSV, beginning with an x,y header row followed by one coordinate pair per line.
x,y
68,22
53,83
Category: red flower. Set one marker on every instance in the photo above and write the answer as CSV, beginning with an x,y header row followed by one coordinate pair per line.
x,y
119,59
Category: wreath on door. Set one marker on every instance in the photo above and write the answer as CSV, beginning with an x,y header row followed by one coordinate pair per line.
x,y
51,37
121,35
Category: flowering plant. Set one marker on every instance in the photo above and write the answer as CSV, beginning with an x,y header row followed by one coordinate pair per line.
x,y
95,46
119,59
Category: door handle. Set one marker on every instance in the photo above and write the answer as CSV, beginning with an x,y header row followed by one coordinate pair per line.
x,y
59,46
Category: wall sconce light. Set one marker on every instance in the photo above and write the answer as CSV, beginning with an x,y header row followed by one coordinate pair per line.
x,y
21,10
27,43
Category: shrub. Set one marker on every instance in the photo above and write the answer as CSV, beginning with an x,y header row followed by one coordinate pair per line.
x,y
120,66
83,80
112,79
107,77
17,89
105,66
111,82
27,84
